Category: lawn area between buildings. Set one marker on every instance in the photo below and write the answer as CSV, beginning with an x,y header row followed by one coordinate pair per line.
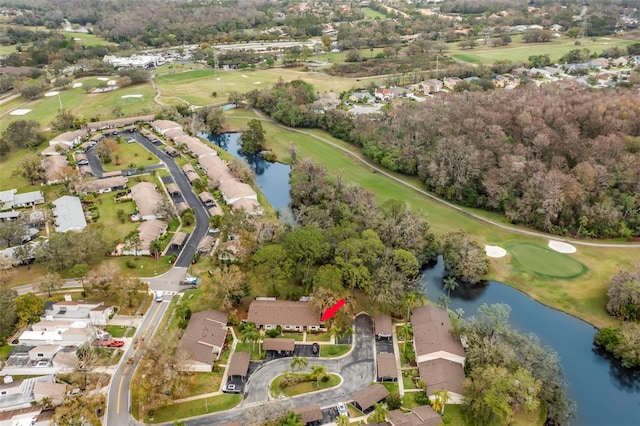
x,y
129,156
197,407
118,331
306,385
5,351
333,351
586,301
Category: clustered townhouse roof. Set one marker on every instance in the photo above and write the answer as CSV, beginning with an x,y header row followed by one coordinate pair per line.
x,y
69,214
215,168
283,312
98,185
239,364
279,345
439,354
172,188
149,231
147,198
382,325
69,138
418,416
309,413
53,165
178,239
386,366
206,330
119,122
370,396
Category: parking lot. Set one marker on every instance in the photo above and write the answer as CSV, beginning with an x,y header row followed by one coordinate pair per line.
x,y
384,345
306,351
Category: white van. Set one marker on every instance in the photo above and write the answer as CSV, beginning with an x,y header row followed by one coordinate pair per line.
x,y
159,297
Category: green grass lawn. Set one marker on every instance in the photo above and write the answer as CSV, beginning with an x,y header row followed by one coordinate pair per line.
x,y
407,382
453,416
197,86
586,301
391,386
145,266
99,106
198,407
130,156
119,330
372,14
5,351
246,347
87,39
318,337
201,383
295,336
108,208
546,262
520,51
301,388
409,400
332,351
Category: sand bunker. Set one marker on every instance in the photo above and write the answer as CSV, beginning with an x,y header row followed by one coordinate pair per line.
x,y
561,247
103,79
258,82
245,76
111,83
20,112
49,94
495,251
131,96
76,85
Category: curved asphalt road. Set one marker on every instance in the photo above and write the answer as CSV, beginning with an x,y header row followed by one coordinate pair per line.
x,y
202,217
356,369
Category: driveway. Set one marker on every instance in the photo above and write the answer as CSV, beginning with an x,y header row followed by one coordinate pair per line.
x,y
356,369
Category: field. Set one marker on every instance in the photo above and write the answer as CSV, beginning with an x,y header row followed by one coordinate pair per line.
x,y
372,14
99,106
197,86
586,301
519,51
89,39
130,155
197,407
546,262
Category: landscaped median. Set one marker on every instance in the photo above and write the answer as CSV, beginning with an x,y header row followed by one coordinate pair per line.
x,y
292,384
333,351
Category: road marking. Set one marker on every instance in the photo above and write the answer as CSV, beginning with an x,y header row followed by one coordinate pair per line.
x,y
133,356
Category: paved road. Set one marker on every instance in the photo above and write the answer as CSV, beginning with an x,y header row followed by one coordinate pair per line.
x,y
118,409
356,370
202,217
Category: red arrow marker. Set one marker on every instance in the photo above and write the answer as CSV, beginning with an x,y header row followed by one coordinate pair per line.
x,y
330,312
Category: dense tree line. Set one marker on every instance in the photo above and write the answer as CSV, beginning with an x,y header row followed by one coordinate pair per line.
x,y
623,303
508,371
564,162
561,161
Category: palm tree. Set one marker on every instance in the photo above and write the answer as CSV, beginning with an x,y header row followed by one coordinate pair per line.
x,y
441,397
299,363
156,248
410,299
379,413
251,334
444,301
450,284
335,332
343,421
405,331
318,372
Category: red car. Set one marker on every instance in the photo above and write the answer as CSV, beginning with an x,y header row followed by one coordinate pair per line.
x,y
111,343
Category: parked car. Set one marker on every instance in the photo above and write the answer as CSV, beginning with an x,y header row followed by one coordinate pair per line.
x,y
315,348
190,281
230,388
342,409
159,297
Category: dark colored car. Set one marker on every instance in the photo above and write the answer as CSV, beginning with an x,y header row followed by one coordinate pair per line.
x,y
315,348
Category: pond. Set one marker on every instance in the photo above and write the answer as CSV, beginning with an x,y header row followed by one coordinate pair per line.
x,y
271,178
605,393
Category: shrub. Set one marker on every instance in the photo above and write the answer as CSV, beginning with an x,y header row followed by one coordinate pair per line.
x,y
394,400
272,333
130,264
422,398
289,380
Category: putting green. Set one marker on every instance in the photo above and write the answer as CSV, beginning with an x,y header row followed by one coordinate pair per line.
x,y
546,262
